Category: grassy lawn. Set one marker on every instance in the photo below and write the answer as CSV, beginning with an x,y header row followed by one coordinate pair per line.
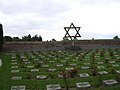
x,y
5,72
76,60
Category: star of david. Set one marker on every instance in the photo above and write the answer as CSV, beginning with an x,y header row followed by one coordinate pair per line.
x,y
67,29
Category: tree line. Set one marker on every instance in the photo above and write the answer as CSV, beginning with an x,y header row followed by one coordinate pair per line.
x,y
24,38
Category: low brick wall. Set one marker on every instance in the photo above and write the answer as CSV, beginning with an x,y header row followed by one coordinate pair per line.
x,y
84,44
93,42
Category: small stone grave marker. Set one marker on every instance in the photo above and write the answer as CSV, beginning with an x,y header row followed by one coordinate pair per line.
x,y
85,67
51,61
100,67
115,65
23,57
73,64
16,77
107,58
63,60
25,60
52,70
83,85
111,62
60,76
74,60
14,63
118,71
84,75
45,66
87,59
59,65
103,72
33,56
86,63
36,59
41,77
99,62
14,66
15,71
34,70
13,57
30,66
70,68
97,56
18,88
13,60
54,87
110,82
40,62
116,55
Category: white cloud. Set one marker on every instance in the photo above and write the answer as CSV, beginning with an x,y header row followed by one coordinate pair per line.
x,y
97,18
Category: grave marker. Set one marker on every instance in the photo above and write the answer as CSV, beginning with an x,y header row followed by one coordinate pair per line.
x,y
18,88
110,82
83,85
103,72
15,71
54,87
16,77
84,75
41,77
69,69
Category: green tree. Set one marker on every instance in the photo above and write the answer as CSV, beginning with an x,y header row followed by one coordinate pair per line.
x,y
16,39
1,36
7,38
40,38
116,37
27,38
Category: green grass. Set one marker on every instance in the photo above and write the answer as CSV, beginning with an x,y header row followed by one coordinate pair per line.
x,y
5,72
34,84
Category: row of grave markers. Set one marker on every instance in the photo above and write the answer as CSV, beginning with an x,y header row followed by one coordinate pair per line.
x,y
15,68
79,86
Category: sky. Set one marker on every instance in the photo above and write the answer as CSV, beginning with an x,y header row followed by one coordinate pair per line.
x,y
98,19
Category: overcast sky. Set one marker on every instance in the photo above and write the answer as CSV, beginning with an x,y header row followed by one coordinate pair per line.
x,y
97,18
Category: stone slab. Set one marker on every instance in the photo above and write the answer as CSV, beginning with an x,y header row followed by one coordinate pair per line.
x,y
84,75
18,88
110,82
53,87
82,85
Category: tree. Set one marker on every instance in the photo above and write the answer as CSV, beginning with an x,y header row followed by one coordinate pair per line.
x,y
40,38
16,39
27,38
35,38
65,39
1,36
116,37
7,38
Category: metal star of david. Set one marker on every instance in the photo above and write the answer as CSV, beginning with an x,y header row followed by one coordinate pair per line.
x,y
67,29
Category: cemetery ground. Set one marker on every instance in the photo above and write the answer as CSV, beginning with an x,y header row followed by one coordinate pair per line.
x,y
97,69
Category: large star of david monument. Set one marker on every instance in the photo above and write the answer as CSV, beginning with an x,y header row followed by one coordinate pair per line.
x,y
72,37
